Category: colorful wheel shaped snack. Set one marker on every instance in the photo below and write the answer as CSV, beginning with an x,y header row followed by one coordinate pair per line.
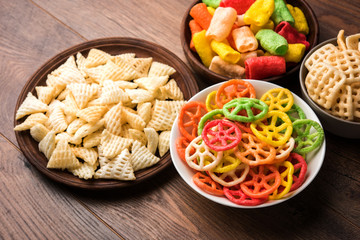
x,y
278,99
189,118
228,163
300,169
211,101
283,151
296,113
232,177
208,185
208,117
308,135
254,152
181,143
277,132
286,170
242,109
203,158
244,127
235,88
262,181
237,196
221,135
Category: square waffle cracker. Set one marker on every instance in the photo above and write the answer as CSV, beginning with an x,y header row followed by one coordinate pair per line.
x,y
347,61
320,55
343,107
323,83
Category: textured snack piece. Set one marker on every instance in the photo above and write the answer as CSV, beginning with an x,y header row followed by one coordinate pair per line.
x,y
138,135
172,91
38,132
93,139
141,157
323,83
134,120
57,120
85,130
341,40
152,83
30,105
112,145
75,125
244,39
92,114
112,93
140,95
31,121
141,66
347,61
47,144
164,142
320,55
221,23
355,88
96,57
119,168
82,93
152,139
45,93
113,119
343,106
352,42
144,111
85,170
160,69
89,155
62,157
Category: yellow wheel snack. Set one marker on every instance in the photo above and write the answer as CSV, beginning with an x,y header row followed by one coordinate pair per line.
x,y
278,99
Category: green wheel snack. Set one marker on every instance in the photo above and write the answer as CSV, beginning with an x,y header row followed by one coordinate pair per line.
x,y
308,135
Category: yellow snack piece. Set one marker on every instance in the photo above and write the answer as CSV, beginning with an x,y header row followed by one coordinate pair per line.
x,y
295,52
225,52
269,25
203,47
260,12
300,20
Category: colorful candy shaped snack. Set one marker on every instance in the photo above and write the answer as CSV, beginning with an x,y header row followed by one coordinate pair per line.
x,y
259,12
295,52
264,66
300,24
269,25
225,52
203,47
308,135
226,69
244,39
241,6
272,42
201,15
281,13
208,185
286,170
194,28
236,195
242,109
221,24
212,3
234,88
291,34
278,99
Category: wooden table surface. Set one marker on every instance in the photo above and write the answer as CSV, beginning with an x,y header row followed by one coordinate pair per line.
x,y
164,207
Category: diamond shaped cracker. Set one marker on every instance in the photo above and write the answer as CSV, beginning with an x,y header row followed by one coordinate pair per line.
x,y
30,105
141,157
160,69
62,157
112,145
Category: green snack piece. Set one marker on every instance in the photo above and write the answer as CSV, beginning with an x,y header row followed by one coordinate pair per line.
x,y
296,113
308,135
212,3
233,108
282,13
272,42
209,116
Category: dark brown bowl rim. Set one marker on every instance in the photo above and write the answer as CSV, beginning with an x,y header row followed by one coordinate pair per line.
x,y
23,138
186,47
303,88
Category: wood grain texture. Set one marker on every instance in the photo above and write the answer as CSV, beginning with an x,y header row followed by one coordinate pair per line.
x,y
28,37
33,207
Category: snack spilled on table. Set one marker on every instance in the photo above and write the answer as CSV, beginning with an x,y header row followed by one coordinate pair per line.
x,y
333,80
246,149
256,39
103,116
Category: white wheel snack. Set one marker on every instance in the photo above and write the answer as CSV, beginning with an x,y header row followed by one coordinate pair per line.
x,y
231,178
203,159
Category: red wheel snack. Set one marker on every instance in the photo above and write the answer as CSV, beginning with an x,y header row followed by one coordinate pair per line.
x,y
208,185
254,152
189,118
244,127
300,168
236,195
263,180
181,144
221,135
234,88
264,67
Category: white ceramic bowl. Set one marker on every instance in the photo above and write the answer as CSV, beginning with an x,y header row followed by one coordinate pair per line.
x,y
314,159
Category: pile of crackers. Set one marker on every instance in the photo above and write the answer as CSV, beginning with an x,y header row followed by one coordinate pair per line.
x,y
103,116
333,80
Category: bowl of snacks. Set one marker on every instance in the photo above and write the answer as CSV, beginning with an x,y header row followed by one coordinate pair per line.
x,y
263,40
247,143
330,84
98,115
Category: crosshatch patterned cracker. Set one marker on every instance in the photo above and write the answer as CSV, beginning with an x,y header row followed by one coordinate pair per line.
x,y
98,116
333,80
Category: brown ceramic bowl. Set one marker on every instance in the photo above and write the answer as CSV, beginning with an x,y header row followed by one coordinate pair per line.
x,y
113,46
335,125
206,74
